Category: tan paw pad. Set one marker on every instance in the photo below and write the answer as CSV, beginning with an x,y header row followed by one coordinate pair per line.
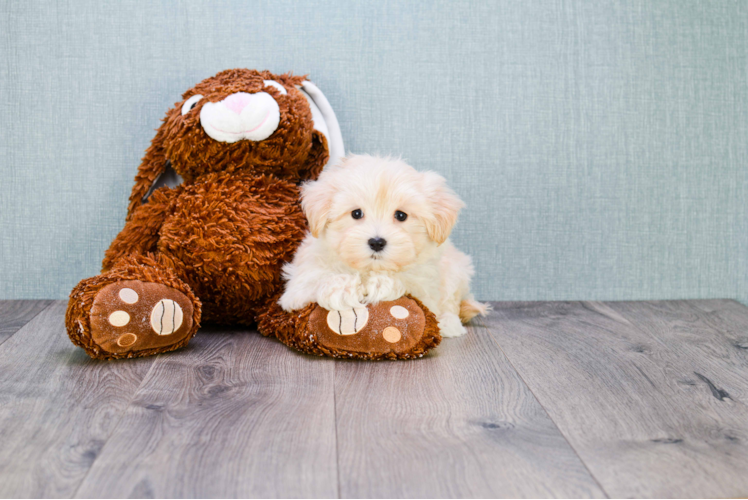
x,y
392,334
399,312
349,321
128,296
166,317
119,318
127,339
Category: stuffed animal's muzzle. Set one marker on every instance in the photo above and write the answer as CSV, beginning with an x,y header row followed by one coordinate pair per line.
x,y
241,116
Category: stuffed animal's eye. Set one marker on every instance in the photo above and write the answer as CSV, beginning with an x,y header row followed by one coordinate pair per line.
x,y
357,214
190,103
273,83
401,216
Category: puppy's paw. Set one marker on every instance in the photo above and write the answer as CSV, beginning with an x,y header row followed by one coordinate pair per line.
x,y
342,291
382,288
294,300
451,326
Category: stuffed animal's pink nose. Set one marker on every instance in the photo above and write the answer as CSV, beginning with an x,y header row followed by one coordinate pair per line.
x,y
237,102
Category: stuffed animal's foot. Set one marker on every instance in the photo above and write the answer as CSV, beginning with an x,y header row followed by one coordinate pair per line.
x,y
398,329
113,318
130,316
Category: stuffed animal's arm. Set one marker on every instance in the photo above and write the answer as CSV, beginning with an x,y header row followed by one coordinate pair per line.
x,y
141,232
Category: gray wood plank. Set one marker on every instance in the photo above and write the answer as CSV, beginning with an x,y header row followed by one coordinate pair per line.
x,y
708,335
729,319
16,313
233,415
57,407
458,423
620,382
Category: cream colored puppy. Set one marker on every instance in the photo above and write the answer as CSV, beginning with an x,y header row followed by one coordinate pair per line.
x,y
379,230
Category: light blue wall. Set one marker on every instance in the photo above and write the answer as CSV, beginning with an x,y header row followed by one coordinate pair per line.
x,y
601,146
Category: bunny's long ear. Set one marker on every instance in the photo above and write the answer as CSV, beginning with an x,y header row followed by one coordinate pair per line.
x,y
327,136
154,172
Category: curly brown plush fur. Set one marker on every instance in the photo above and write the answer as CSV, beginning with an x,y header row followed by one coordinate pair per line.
x,y
218,241
294,152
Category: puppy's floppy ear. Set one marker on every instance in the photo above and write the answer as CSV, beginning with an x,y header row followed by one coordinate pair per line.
x,y
445,207
316,201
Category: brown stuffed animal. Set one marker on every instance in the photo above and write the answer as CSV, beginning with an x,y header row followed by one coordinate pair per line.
x,y
213,216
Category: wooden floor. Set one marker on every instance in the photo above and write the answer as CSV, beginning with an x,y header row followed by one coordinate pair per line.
x,y
541,399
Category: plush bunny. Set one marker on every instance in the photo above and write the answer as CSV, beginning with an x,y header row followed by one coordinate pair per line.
x,y
213,216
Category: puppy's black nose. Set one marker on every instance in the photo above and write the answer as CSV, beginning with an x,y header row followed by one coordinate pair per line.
x,y
377,244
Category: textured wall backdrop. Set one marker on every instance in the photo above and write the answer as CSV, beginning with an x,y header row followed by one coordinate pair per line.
x,y
602,146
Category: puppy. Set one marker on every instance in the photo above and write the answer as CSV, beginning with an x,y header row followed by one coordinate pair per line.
x,y
379,230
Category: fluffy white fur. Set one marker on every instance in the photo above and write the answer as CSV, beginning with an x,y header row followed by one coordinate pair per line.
x,y
335,266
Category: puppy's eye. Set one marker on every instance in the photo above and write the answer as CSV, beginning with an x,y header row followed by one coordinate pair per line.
x,y
273,83
401,216
357,214
190,103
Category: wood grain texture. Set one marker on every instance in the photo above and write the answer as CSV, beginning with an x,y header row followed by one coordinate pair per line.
x,y
710,337
57,407
637,390
16,313
458,423
232,415
653,396
729,322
